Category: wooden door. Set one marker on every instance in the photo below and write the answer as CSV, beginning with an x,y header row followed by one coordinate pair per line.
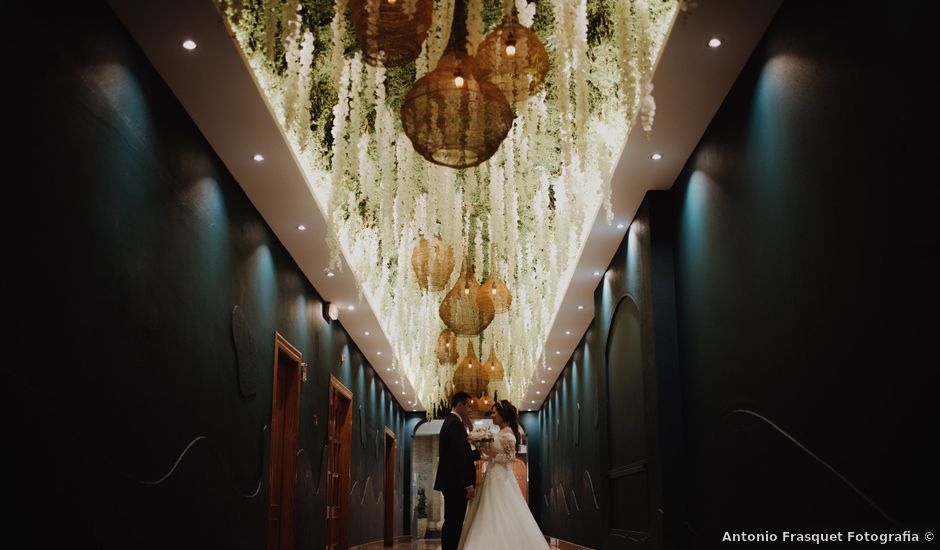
x,y
285,410
339,453
390,445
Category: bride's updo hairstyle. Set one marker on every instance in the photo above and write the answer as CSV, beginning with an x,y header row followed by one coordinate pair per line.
x,y
509,413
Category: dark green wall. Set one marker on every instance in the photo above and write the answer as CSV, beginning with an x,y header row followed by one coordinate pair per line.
x,y
530,423
786,299
618,405
807,279
139,245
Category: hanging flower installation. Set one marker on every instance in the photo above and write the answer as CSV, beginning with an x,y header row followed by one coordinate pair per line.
x,y
523,215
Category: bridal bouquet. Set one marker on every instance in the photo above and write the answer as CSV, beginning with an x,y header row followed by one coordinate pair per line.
x,y
480,436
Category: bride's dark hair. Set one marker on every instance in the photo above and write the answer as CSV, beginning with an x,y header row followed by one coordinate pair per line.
x,y
510,414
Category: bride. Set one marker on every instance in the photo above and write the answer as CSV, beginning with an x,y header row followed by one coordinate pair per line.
x,y
499,517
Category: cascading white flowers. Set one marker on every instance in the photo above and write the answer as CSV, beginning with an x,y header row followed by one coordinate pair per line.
x,y
527,211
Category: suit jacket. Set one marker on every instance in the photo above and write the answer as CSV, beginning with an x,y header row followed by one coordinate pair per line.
x,y
455,468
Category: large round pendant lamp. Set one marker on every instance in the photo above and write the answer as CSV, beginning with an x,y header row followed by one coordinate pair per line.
x,y
452,117
513,58
392,34
465,310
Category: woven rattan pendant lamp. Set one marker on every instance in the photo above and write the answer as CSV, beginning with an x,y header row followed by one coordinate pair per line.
x,y
465,310
452,117
390,32
447,352
513,58
433,262
468,375
493,370
495,289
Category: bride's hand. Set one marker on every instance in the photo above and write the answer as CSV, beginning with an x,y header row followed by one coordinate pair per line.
x,y
487,449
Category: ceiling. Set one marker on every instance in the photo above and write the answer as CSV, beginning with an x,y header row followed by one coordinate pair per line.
x,y
216,87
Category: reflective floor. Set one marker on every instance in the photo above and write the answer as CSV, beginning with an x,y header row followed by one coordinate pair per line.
x,y
435,544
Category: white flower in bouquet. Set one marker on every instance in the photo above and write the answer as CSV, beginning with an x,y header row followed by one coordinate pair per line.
x,y
480,436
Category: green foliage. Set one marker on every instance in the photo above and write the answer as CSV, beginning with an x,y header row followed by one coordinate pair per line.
x,y
421,507
492,13
600,24
322,99
398,81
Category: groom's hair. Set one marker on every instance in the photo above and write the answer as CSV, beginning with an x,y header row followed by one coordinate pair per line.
x,y
459,398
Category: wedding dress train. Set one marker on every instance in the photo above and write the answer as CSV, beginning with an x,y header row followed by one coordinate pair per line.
x,y
498,517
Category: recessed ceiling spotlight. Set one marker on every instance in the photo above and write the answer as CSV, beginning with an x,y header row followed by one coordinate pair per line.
x,y
533,402
597,273
557,352
351,308
388,368
258,158
580,307
396,381
301,227
189,45
379,352
543,381
619,226
403,393
549,368
568,332
330,274
714,42
538,393
656,156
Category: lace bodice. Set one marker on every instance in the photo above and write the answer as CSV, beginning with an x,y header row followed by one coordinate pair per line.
x,y
503,449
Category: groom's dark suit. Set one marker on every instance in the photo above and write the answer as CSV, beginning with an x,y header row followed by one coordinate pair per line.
x,y
455,472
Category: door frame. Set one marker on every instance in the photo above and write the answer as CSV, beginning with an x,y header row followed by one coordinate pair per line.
x,y
341,512
389,487
284,435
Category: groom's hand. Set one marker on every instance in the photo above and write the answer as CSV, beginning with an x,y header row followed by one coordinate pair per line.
x,y
471,492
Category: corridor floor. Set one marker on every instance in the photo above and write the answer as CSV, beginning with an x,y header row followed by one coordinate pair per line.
x,y
435,544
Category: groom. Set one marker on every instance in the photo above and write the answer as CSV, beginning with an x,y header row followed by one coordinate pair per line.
x,y
456,473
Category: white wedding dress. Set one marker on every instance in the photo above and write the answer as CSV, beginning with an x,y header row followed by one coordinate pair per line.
x,y
498,517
